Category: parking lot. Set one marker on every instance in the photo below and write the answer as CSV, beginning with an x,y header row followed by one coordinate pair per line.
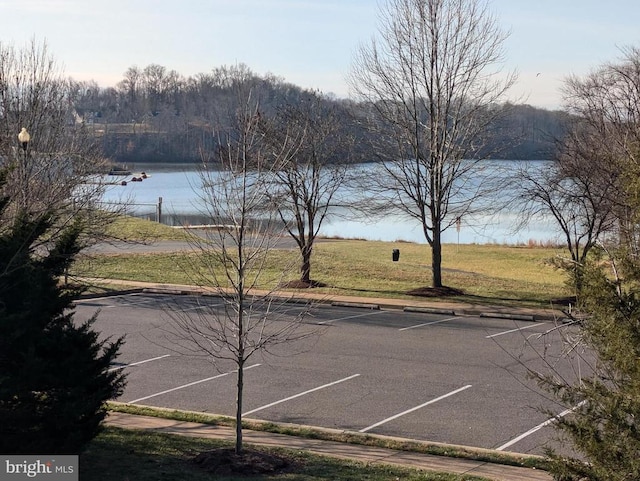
x,y
440,378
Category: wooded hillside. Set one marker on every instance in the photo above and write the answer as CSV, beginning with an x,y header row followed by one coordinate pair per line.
x,y
157,115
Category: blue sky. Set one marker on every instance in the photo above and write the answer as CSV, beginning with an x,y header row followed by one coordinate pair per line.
x,y
307,42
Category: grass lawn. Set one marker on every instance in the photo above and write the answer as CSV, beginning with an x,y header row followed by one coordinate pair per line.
x,y
122,455
486,273
489,274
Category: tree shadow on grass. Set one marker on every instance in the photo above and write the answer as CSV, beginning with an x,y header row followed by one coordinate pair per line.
x,y
443,293
447,293
300,284
435,292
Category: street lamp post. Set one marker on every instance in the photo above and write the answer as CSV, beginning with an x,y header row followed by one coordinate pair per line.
x,y
24,138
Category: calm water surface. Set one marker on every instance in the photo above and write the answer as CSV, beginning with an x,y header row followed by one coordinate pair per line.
x,y
178,185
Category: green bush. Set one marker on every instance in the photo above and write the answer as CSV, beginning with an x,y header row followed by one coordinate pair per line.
x,y
54,377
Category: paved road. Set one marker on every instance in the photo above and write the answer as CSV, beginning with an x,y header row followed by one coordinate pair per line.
x,y
443,378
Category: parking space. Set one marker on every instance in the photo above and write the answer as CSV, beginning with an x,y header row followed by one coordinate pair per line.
x,y
424,376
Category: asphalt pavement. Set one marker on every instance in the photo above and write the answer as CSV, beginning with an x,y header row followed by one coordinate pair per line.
x,y
340,450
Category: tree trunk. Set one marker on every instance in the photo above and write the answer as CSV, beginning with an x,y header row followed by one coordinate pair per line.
x,y
305,268
239,396
240,359
436,258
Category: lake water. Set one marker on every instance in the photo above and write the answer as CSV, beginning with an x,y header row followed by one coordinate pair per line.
x,y
177,186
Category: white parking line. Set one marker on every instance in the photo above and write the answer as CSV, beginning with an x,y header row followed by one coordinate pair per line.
x,y
384,421
538,427
134,303
351,317
97,302
188,385
138,363
515,330
301,394
91,300
101,298
428,323
197,308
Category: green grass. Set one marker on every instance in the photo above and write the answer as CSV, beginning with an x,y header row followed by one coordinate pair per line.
x,y
122,454
489,274
134,229
424,447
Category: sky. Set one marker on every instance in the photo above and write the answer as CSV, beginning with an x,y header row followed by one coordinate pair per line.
x,y
310,43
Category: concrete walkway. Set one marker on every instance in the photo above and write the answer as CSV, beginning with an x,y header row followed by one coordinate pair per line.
x,y
365,454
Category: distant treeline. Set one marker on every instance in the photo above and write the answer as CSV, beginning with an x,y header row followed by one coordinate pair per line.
x,y
156,115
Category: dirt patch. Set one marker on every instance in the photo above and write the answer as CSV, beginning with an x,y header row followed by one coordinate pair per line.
x,y
298,284
251,462
443,291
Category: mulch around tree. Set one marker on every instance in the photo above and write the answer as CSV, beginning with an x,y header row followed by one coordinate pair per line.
x,y
251,462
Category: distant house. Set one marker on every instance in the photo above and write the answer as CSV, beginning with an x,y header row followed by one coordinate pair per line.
x,y
80,116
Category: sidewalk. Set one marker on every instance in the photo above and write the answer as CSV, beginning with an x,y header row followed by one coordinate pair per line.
x,y
365,454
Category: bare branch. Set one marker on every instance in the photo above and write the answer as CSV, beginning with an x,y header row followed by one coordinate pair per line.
x,y
234,258
431,82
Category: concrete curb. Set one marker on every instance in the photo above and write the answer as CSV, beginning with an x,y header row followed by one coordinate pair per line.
x,y
357,452
358,305
430,310
516,317
418,305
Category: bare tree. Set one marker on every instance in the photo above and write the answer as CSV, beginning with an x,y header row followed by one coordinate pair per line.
x,y
590,187
132,94
428,79
607,103
232,260
45,213
312,153
50,156
577,191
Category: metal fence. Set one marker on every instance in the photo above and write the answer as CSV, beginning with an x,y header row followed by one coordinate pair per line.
x,y
153,212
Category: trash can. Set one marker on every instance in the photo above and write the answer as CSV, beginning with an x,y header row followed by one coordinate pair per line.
x,y
395,255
